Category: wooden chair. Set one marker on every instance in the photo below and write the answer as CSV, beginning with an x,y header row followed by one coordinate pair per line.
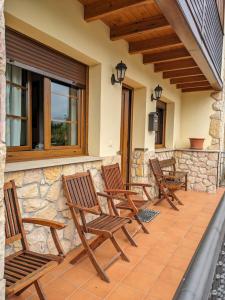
x,y
167,184
81,199
180,175
133,202
25,267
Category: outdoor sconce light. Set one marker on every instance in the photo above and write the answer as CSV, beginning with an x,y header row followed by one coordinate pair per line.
x,y
120,73
157,93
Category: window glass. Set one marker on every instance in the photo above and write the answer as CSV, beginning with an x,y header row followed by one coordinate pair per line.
x,y
64,115
16,106
16,132
160,133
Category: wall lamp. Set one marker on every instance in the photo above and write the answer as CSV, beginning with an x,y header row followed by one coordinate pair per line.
x,y
157,93
120,73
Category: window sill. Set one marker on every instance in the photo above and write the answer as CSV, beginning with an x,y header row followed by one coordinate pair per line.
x,y
51,162
163,149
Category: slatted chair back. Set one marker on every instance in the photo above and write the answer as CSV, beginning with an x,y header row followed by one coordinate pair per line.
x,y
156,169
14,229
81,190
168,163
112,177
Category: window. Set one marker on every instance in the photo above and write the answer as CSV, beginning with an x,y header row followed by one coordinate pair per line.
x,y
45,117
160,133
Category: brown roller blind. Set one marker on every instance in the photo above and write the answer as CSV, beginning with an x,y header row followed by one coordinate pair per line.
x,y
25,50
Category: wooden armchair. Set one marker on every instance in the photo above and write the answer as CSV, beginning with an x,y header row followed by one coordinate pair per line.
x,y
180,175
129,200
81,199
25,267
167,184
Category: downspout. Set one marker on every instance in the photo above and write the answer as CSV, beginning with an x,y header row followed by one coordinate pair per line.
x,y
2,146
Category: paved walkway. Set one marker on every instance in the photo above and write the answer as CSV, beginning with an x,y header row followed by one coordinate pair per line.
x,y
156,266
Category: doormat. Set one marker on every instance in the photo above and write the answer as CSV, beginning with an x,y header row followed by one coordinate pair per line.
x,y
147,215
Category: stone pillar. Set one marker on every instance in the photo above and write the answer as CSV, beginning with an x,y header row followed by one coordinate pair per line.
x,y
2,147
216,129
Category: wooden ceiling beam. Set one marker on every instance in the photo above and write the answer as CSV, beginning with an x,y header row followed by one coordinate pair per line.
x,y
132,29
192,84
154,43
182,73
100,9
175,65
165,56
188,79
197,89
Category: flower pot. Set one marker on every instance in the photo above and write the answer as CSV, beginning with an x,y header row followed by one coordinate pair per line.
x,y
197,143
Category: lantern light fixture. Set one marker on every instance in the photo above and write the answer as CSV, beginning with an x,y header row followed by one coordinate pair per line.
x,y
120,73
157,93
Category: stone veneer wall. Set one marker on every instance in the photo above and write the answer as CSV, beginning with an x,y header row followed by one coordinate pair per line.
x,y
216,128
2,147
41,195
202,168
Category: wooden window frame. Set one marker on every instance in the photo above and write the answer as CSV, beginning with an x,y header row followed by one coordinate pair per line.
x,y
164,107
47,119
24,153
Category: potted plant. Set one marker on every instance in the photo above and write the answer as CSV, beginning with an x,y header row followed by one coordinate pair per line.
x,y
196,143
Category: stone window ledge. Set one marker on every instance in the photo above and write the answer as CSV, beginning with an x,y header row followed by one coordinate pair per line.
x,y
51,162
196,150
185,150
164,150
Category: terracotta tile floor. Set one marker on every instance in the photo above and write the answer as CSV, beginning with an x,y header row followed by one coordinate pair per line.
x,y
156,266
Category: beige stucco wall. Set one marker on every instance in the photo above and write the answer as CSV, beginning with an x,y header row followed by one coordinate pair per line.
x,y
60,24
195,117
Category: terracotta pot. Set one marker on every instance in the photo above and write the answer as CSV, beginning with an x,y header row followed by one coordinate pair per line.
x,y
197,143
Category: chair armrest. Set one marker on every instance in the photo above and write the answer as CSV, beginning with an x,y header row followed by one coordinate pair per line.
x,y
119,191
53,225
138,184
44,222
85,209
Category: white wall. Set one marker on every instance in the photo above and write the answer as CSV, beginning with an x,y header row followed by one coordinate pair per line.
x,y
60,24
195,117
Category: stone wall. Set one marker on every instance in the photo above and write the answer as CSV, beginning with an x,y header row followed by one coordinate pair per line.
x,y
216,129
140,171
2,147
41,195
202,168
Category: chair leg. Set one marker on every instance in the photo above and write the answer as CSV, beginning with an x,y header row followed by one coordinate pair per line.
x,y
129,237
142,225
119,249
171,202
97,267
39,290
178,200
93,259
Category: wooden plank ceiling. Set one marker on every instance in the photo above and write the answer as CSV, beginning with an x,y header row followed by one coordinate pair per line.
x,y
146,30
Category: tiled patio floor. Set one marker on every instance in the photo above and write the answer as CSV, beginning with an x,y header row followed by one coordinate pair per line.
x,y
156,266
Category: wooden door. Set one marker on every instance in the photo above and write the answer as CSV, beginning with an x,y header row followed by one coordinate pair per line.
x,y
126,132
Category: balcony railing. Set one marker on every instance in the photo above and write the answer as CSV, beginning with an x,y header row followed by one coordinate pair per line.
x,y
207,16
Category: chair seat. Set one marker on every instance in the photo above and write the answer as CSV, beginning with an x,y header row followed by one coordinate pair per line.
x,y
26,266
138,201
107,223
171,185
